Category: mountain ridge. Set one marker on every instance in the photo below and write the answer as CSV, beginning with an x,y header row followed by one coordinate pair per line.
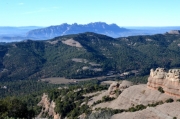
x,y
87,55
65,29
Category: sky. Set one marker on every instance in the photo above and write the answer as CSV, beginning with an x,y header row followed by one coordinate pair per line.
x,y
120,12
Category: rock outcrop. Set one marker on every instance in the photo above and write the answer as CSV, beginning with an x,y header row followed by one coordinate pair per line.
x,y
169,81
125,84
135,95
117,87
176,32
47,107
113,88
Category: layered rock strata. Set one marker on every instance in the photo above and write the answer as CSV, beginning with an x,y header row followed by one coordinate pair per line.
x,y
168,80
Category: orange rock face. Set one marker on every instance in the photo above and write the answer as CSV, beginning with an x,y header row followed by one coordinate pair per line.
x,y
169,81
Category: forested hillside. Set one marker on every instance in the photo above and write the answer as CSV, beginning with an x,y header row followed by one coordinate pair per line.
x,y
87,55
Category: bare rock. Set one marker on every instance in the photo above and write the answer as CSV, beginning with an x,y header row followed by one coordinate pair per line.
x,y
72,42
125,84
118,87
165,111
112,89
45,103
174,32
53,42
169,81
82,116
135,95
98,97
47,107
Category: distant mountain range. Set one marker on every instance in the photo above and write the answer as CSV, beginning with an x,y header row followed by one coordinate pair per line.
x,y
12,34
111,30
65,29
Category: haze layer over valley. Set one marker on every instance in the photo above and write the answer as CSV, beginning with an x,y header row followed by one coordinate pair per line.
x,y
14,34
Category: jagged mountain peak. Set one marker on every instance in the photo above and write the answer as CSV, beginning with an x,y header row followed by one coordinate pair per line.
x,y
112,30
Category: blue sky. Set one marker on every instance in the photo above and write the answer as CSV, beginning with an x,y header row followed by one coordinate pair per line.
x,y
121,12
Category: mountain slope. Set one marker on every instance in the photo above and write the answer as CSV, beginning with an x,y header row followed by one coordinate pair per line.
x,y
87,55
163,49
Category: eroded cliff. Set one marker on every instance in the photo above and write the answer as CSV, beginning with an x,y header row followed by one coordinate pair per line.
x,y
168,80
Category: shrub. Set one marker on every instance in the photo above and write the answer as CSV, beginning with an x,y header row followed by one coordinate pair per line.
x,y
104,99
107,98
160,89
137,108
132,109
178,100
155,104
140,107
169,100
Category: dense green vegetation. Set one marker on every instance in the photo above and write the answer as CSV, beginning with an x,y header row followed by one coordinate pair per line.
x,y
138,79
24,87
25,95
20,98
52,58
162,49
15,108
20,106
69,104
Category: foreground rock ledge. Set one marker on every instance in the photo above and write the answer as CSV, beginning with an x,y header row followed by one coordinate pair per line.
x,y
165,111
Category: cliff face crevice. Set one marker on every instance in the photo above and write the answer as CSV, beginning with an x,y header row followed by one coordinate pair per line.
x,y
169,81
